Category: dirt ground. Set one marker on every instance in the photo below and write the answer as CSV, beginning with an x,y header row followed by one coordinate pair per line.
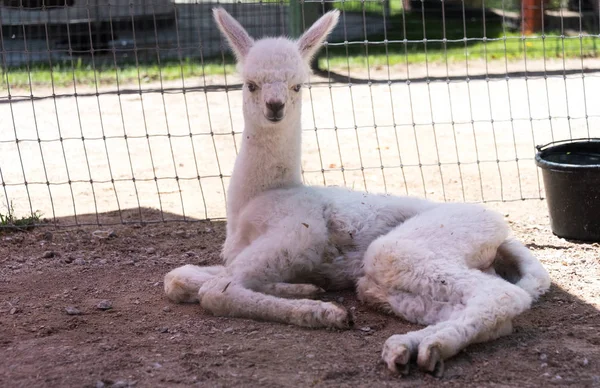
x,y
146,341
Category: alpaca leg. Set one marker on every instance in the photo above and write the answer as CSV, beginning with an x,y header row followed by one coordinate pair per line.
x,y
490,304
182,284
400,349
263,266
292,290
515,263
422,309
273,259
417,308
223,297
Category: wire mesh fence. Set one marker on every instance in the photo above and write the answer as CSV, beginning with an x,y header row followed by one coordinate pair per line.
x,y
136,104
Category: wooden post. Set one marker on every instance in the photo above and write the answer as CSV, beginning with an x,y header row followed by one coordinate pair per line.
x,y
531,17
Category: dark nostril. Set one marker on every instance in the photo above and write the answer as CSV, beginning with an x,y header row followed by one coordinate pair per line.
x,y
275,106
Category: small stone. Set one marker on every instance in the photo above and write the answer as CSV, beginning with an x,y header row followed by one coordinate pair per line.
x,y
120,384
366,329
79,261
340,299
49,254
543,357
100,384
156,365
180,233
310,356
14,310
584,362
163,330
228,330
104,305
72,310
544,365
190,254
103,261
104,234
151,251
68,259
47,236
166,309
557,377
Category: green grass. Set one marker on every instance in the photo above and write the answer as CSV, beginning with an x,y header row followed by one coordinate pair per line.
x,y
501,44
85,74
10,223
369,6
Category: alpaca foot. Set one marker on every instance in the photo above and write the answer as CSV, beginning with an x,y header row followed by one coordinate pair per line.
x,y
337,316
182,284
430,360
396,355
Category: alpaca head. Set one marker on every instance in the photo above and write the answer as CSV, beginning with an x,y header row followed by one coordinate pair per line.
x,y
273,69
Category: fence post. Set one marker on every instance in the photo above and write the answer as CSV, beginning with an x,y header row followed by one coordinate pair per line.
x,y
295,19
532,16
301,14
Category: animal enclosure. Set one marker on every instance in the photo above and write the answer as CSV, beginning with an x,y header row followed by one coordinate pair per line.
x,y
134,121
137,104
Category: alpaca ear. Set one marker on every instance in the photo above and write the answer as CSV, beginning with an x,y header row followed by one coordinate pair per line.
x,y
239,40
310,42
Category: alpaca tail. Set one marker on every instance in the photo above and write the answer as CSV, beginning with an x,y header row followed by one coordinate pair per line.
x,y
182,284
515,263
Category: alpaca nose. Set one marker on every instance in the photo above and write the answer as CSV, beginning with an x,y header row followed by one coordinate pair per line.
x,y
275,106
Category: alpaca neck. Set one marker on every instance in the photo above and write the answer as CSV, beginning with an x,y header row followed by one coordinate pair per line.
x,y
269,159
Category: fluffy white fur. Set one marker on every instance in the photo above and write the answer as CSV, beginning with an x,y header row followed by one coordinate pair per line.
x,y
450,266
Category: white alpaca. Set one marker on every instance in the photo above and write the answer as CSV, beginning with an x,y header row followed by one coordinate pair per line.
x,y
435,264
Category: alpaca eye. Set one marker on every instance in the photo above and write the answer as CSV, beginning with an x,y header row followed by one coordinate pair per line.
x,y
296,88
252,87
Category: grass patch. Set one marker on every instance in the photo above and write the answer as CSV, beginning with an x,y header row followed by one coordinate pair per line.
x,y
65,74
500,44
369,6
10,223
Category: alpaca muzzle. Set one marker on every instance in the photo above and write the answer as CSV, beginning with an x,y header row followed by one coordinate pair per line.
x,y
275,111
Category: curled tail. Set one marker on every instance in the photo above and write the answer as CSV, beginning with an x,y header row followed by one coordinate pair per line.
x,y
182,284
516,264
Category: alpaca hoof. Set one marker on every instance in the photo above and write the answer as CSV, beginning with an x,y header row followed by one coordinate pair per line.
x,y
337,317
432,361
401,362
396,355
177,290
310,291
348,320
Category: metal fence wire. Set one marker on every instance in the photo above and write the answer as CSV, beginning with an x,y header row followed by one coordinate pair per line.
x,y
132,104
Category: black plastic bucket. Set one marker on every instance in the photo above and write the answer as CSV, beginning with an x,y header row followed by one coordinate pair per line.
x,y
571,171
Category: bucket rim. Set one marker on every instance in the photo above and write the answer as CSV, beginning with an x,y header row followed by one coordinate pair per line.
x,y
545,164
